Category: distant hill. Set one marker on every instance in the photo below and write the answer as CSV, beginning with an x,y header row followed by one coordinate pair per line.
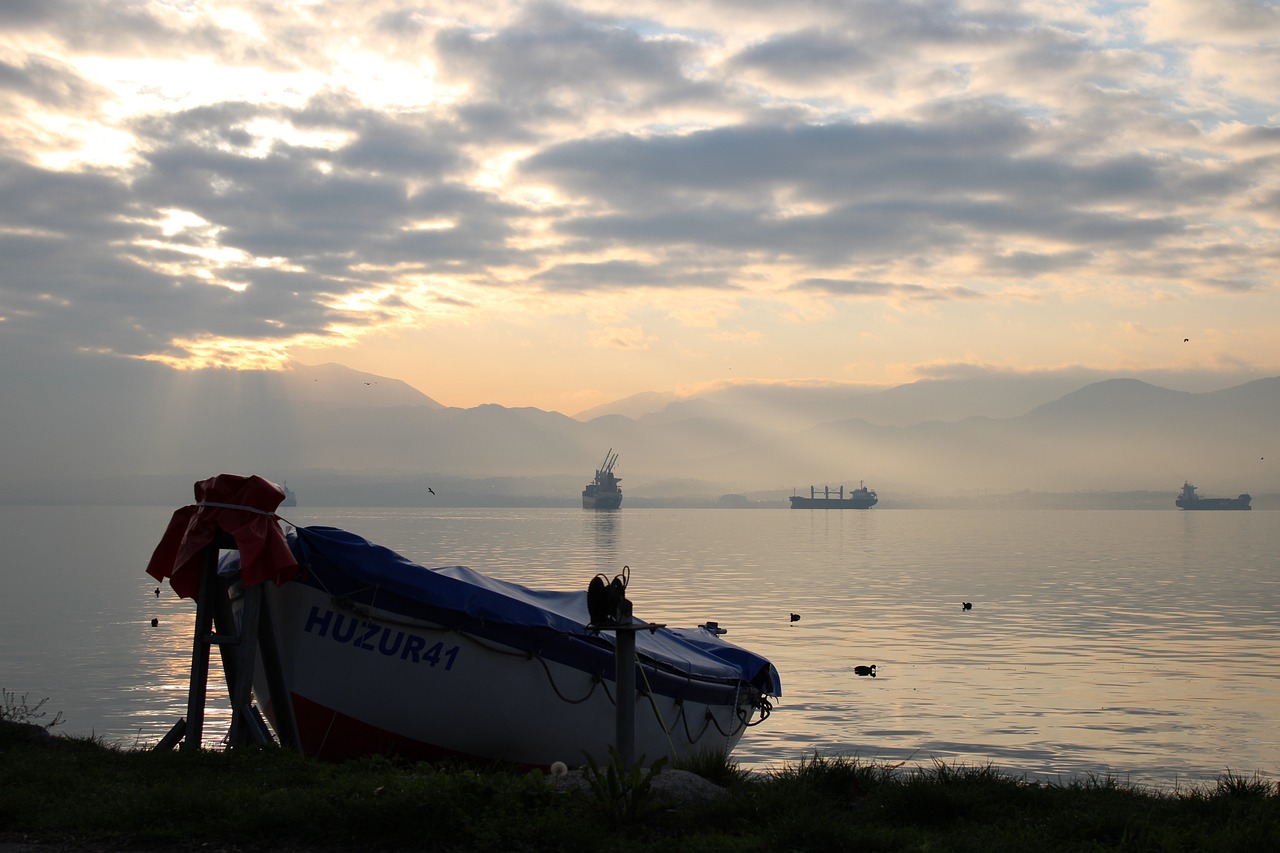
x,y
794,406
141,424
334,383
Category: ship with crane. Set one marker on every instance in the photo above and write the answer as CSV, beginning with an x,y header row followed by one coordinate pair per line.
x,y
859,498
603,491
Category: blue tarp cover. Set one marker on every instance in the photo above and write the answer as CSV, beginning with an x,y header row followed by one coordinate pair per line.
x,y
351,567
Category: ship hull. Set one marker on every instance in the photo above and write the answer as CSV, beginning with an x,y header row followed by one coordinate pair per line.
x,y
1241,502
800,502
1188,499
828,498
613,501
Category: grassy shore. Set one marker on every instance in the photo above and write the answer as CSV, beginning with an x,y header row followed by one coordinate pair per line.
x,y
77,793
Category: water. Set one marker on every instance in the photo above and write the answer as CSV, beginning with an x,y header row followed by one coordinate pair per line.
x,y
1140,644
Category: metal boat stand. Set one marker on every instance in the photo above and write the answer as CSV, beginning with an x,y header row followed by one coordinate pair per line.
x,y
239,650
624,651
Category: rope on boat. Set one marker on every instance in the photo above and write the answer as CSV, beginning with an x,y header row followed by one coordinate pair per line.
x,y
595,680
706,721
240,507
648,691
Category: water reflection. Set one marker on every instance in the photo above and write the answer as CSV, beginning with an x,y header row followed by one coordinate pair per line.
x,y
602,531
1136,642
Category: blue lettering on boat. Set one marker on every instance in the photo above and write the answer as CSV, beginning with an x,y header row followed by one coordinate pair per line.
x,y
382,642
415,645
372,637
370,631
344,629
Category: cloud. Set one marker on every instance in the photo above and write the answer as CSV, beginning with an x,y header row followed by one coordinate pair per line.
x,y
626,338
807,56
881,289
560,65
615,275
1236,21
172,176
49,84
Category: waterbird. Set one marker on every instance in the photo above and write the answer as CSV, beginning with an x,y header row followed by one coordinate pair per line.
x,y
795,617
865,670
966,605
154,622
157,592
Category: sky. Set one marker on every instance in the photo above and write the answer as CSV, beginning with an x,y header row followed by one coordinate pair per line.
x,y
562,204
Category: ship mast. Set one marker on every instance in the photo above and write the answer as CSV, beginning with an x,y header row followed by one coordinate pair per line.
x,y
606,469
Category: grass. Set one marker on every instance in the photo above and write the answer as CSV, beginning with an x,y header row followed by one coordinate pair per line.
x,y
76,792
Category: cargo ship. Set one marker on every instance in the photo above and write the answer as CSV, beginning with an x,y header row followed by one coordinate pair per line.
x,y
603,491
1188,499
859,498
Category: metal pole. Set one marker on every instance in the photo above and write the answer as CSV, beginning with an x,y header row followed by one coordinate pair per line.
x,y
625,662
200,646
240,678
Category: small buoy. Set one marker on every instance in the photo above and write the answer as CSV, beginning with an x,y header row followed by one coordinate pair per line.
x,y
795,617
966,606
865,670
155,622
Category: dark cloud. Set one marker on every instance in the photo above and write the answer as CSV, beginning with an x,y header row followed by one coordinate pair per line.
x,y
963,150
555,51
882,189
357,203
554,65
625,275
49,84
1032,264
870,232
1267,136
827,162
880,37
88,204
813,54
882,289
21,14
107,27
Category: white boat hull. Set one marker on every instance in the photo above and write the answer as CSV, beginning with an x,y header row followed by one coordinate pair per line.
x,y
366,682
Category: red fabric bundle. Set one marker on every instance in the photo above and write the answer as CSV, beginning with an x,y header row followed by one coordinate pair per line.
x,y
243,507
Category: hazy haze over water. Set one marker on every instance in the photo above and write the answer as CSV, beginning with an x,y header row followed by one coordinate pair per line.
x,y
1138,643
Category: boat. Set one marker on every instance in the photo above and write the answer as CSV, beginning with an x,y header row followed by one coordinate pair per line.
x,y
859,498
290,498
1188,499
374,654
603,491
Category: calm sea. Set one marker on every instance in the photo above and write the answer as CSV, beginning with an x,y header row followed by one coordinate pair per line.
x,y
1141,644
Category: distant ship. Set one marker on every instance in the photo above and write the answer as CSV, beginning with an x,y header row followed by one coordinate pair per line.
x,y
603,491
859,498
290,499
1190,500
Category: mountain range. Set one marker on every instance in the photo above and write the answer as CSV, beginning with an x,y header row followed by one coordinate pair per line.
x,y
343,437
